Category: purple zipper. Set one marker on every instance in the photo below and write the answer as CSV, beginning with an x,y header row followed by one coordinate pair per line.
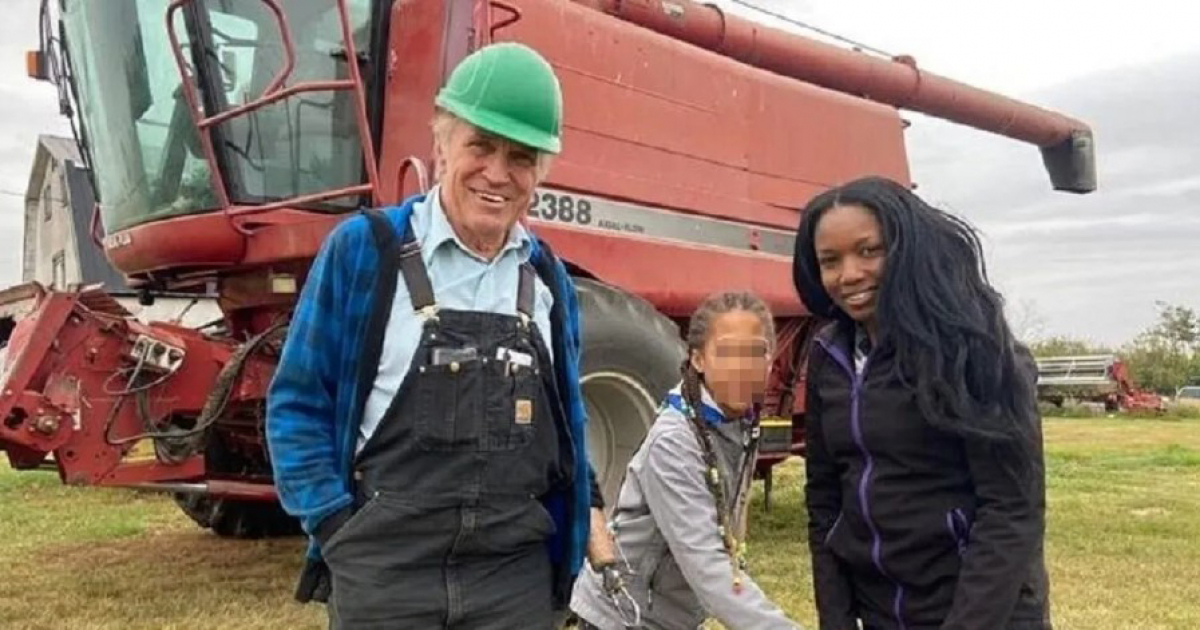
x,y
856,384
952,526
966,525
837,521
960,527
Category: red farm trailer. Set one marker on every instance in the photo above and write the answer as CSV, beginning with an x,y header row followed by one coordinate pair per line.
x,y
1101,379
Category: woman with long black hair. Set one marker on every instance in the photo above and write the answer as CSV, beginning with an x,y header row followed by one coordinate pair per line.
x,y
925,479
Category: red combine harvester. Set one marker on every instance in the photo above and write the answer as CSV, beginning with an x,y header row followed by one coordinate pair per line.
x,y
226,139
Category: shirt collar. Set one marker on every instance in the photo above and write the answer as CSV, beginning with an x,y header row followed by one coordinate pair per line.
x,y
862,341
710,411
439,232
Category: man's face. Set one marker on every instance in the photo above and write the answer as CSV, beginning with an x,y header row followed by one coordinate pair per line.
x,y
487,184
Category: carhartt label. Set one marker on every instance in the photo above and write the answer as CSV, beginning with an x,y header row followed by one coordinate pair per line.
x,y
524,411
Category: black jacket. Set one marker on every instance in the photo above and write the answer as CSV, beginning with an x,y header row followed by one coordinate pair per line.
x,y
910,526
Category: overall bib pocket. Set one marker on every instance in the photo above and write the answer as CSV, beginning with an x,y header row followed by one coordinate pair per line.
x,y
450,406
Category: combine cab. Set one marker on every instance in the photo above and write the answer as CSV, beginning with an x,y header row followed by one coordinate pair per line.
x,y
226,139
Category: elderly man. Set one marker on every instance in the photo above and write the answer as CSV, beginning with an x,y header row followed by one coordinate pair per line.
x,y
426,423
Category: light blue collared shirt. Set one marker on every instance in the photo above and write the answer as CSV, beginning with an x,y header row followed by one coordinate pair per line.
x,y
862,348
461,280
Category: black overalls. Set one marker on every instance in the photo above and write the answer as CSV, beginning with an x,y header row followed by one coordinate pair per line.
x,y
449,530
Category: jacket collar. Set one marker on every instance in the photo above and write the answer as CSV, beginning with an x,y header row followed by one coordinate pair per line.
x,y
710,411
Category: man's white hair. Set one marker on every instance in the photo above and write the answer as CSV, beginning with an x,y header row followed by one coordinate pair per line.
x,y
444,124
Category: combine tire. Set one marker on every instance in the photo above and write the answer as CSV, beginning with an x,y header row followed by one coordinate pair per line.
x,y
238,519
631,357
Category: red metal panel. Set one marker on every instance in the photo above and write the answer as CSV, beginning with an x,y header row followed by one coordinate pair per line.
x,y
898,82
675,276
286,235
133,474
819,137
242,490
201,240
212,241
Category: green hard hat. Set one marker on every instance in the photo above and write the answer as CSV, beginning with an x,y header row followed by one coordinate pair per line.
x,y
509,90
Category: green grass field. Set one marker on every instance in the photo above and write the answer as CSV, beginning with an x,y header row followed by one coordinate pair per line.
x,y
1123,545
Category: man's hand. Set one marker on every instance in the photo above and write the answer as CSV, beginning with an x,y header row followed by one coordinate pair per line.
x,y
602,550
602,554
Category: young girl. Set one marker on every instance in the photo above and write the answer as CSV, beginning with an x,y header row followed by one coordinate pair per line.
x,y
679,521
925,486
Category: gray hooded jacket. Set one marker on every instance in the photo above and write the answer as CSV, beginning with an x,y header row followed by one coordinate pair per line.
x,y
666,527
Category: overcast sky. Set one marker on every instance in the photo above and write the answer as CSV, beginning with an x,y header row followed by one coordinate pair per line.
x,y
1089,266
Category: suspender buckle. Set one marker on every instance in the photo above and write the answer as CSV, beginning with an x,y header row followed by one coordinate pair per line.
x,y
428,313
409,249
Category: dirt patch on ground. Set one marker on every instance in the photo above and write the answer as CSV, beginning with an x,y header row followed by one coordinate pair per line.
x,y
174,579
